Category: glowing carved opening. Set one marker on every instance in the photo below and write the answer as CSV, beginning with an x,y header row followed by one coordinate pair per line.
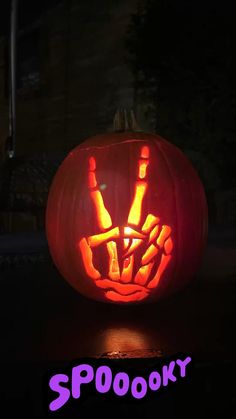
x,y
126,243
120,286
143,274
165,232
134,244
92,164
153,233
126,263
140,188
114,270
103,216
117,286
151,220
163,264
145,152
87,257
150,253
136,207
127,271
130,232
136,296
98,239
92,180
168,246
142,169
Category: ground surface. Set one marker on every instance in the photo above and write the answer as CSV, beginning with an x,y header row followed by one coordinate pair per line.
x,y
44,322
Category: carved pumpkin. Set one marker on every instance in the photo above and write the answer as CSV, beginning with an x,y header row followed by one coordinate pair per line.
x,y
126,218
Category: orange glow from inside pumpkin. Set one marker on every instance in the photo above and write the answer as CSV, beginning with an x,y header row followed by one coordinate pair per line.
x,y
114,270
123,289
163,264
125,282
127,270
103,216
92,180
134,296
88,259
168,246
150,221
134,244
98,239
126,243
136,207
104,219
145,152
165,232
143,274
149,254
142,168
130,232
153,234
92,164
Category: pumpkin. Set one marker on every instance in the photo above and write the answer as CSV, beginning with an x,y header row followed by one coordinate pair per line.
x,y
126,218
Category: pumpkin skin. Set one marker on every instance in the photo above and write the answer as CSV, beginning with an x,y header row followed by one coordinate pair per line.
x,y
126,218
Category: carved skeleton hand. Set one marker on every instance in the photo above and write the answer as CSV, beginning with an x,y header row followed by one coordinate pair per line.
x,y
123,284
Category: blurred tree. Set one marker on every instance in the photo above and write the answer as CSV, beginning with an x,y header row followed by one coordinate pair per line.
x,y
183,54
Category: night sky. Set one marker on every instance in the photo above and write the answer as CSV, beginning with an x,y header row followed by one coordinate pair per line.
x,y
28,12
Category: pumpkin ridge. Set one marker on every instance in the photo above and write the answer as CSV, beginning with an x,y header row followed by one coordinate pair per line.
x,y
97,147
175,203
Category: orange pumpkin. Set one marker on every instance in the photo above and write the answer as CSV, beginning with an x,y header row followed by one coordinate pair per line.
x,y
126,218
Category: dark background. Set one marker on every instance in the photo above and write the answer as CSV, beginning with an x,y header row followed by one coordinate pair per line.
x,y
173,62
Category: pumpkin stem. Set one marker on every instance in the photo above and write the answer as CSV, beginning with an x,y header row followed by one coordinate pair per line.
x,y
124,120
